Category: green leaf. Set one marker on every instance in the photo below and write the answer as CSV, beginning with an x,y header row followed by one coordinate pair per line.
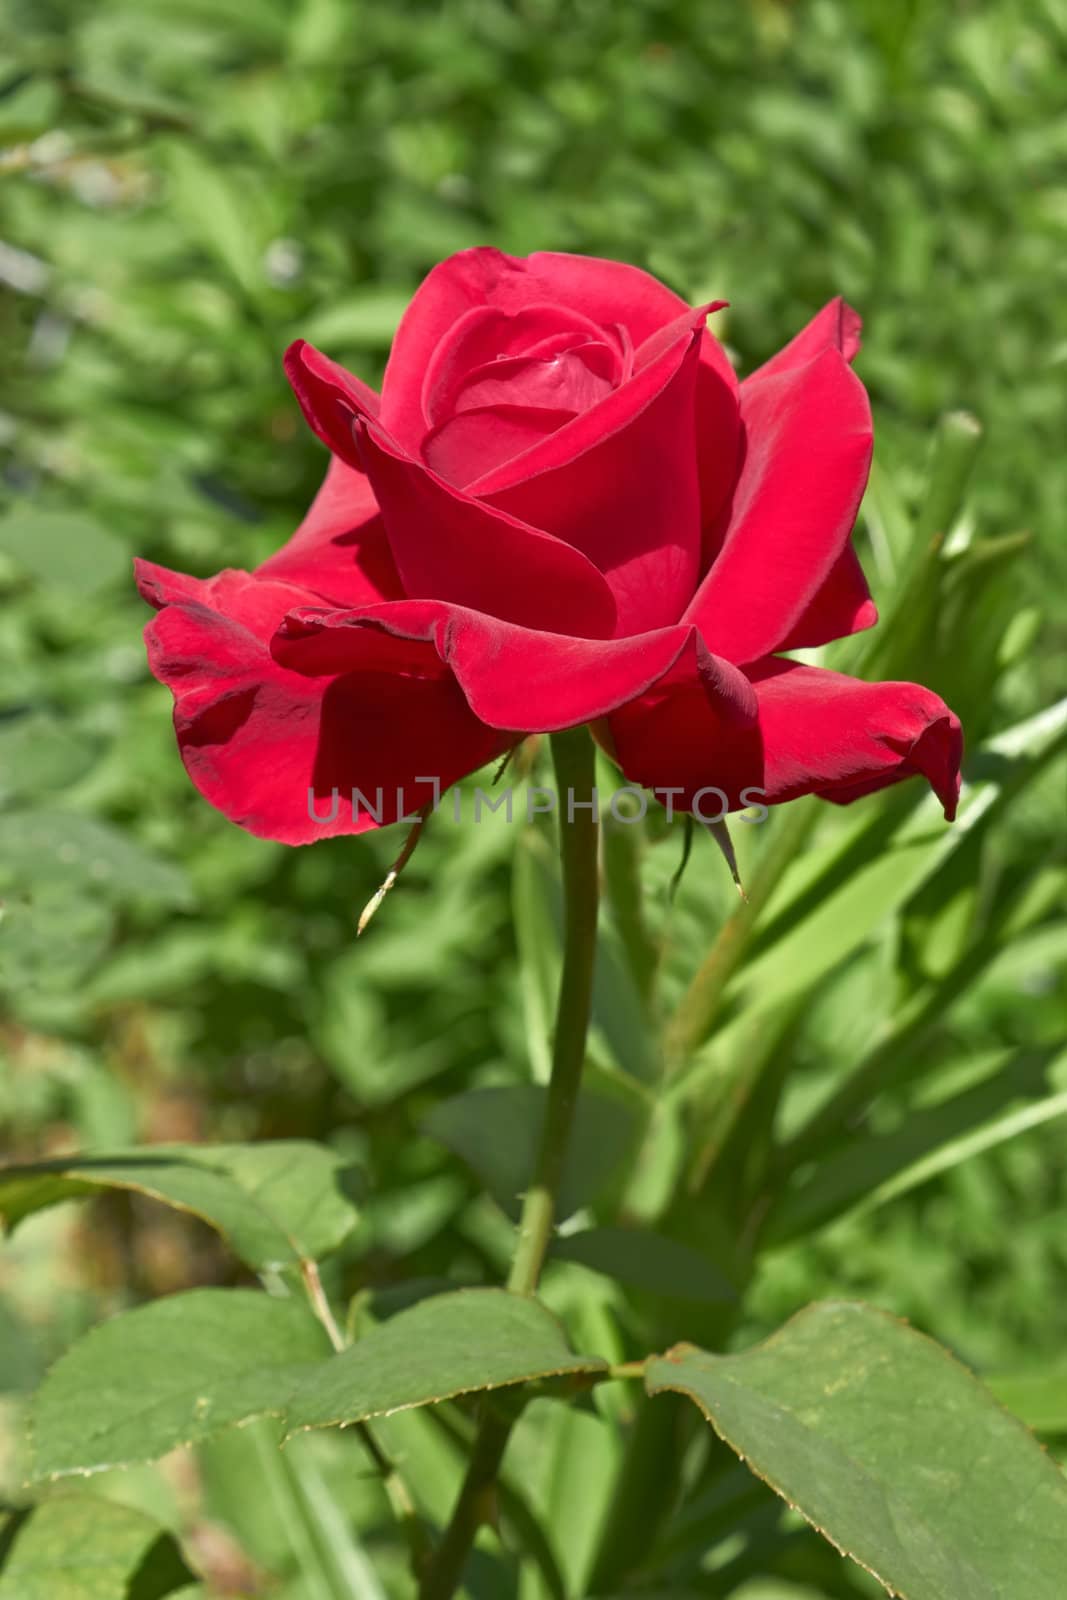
x,y
891,1449
230,214
48,938
497,1132
1037,1398
63,550
170,1373
283,1510
870,1171
39,753
648,1261
897,1056
276,1203
65,850
329,1548
29,110
448,1345
368,319
569,1475
78,1547
821,913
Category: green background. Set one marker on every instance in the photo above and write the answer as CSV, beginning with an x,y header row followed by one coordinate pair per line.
x,y
187,186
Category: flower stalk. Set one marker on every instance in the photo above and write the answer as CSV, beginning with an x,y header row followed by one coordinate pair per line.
x,y
573,757
574,762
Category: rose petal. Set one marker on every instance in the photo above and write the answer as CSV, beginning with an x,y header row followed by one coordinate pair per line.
x,y
515,678
606,291
818,732
340,550
807,455
614,292
471,442
267,747
718,417
568,380
620,484
330,397
480,336
473,287
836,327
841,606
602,352
450,547
471,280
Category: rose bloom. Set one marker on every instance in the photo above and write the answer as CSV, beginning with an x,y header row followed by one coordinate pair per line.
x,y
561,509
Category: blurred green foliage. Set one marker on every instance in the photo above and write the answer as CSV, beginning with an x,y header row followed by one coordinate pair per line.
x,y
187,185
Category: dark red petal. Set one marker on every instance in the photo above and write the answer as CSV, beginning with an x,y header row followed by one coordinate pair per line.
x,y
450,547
480,336
835,327
470,289
605,292
612,292
603,352
568,380
468,444
718,431
620,483
818,732
621,336
267,747
516,678
330,397
470,280
807,455
718,417
340,550
842,606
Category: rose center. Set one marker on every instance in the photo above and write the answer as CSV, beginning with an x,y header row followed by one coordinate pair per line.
x,y
498,383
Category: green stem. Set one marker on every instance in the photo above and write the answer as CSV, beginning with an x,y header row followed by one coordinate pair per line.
x,y
574,762
573,758
475,1505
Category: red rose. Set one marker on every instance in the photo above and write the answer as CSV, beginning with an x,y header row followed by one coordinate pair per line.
x,y
562,509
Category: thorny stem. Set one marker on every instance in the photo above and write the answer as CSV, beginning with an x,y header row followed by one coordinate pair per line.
x,y
573,758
